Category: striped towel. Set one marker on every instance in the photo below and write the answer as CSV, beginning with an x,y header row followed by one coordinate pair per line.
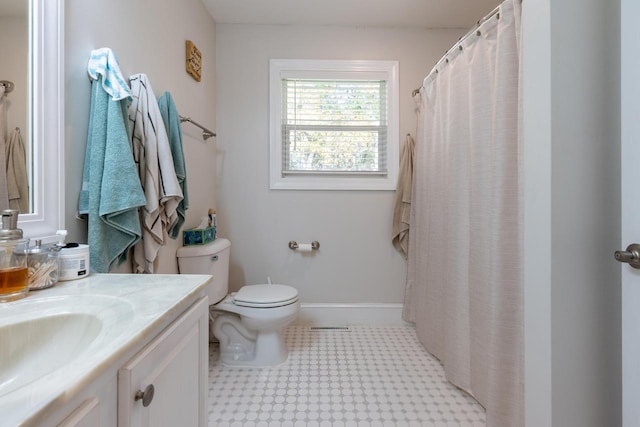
x,y
103,62
152,153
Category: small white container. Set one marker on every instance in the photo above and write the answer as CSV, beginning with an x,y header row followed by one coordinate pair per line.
x,y
73,263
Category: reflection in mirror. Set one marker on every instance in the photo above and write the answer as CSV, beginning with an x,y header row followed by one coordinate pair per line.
x,y
14,103
46,119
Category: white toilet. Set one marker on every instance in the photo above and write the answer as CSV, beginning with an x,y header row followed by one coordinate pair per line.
x,y
249,323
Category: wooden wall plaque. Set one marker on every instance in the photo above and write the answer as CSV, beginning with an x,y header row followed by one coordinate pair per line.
x,y
194,61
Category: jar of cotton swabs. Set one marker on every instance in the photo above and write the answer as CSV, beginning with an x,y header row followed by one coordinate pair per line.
x,y
43,265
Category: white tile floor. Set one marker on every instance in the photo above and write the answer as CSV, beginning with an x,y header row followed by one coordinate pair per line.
x,y
366,376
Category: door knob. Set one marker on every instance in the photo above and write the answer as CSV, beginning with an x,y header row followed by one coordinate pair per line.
x,y
631,256
146,396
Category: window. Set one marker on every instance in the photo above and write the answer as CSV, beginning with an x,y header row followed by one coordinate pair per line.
x,y
334,125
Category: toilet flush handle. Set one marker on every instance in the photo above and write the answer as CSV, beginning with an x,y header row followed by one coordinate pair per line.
x,y
214,258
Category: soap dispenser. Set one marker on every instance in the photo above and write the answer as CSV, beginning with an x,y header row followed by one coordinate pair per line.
x,y
10,230
14,273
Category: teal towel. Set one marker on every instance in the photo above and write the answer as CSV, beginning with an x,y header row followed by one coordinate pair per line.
x,y
103,62
171,120
111,191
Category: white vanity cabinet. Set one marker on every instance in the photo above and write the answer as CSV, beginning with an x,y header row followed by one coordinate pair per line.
x,y
165,384
174,364
153,335
86,415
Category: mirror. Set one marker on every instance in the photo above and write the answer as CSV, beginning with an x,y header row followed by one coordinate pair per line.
x,y
45,118
14,79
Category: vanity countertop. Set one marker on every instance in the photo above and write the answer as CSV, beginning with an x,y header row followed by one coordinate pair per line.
x,y
132,309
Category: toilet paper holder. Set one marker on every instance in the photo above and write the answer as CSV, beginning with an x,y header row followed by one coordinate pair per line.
x,y
293,245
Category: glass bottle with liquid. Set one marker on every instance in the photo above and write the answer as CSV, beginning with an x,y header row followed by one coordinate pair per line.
x,y
14,271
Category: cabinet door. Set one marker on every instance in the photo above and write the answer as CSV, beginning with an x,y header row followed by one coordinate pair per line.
x,y
175,364
86,415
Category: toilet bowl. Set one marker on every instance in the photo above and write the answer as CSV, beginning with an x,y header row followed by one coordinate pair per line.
x,y
248,323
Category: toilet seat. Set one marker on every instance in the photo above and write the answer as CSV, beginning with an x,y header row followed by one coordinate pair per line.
x,y
265,296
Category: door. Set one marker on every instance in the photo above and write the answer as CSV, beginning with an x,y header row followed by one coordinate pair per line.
x,y
630,113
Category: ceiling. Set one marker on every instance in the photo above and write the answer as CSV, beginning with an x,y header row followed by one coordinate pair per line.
x,y
370,13
366,13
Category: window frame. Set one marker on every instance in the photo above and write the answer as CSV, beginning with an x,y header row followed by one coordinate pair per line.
x,y
280,69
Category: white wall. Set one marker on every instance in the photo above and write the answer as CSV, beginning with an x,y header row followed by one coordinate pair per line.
x,y
572,213
356,261
148,37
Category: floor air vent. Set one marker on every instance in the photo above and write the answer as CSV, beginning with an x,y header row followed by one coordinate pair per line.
x,y
329,328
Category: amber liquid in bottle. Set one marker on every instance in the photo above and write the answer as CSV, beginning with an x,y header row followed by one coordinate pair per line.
x,y
13,279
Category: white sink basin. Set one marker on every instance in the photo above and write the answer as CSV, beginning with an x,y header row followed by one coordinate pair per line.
x,y
36,347
39,337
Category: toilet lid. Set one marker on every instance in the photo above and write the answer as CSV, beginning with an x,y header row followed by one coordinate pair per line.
x,y
265,296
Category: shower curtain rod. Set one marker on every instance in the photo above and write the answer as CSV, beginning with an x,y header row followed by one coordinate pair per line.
x,y
473,30
206,133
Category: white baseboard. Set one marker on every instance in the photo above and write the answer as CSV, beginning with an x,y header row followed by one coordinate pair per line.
x,y
351,314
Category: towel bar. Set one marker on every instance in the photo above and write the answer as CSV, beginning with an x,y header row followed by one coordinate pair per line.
x,y
206,133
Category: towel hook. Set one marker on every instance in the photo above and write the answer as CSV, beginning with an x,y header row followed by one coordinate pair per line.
x,y
8,86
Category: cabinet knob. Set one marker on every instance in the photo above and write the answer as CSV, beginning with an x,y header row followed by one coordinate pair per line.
x,y
146,395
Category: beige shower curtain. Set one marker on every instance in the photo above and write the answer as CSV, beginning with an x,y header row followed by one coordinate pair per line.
x,y
464,283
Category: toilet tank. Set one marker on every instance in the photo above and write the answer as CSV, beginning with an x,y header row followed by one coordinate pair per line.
x,y
212,258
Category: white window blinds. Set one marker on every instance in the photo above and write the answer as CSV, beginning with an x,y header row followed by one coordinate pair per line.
x,y
334,126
